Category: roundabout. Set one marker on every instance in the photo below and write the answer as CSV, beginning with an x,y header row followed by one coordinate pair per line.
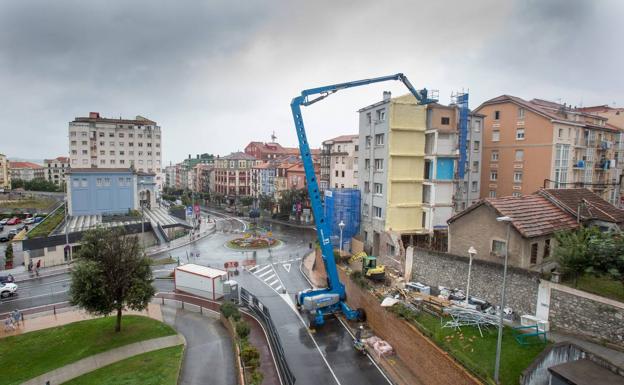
x,y
254,239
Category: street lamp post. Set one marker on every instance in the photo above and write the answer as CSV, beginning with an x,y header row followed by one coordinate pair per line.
x,y
499,342
471,253
341,225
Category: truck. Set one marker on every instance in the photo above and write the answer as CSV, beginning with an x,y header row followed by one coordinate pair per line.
x,y
200,280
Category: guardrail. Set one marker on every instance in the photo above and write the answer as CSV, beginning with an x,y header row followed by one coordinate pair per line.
x,y
262,313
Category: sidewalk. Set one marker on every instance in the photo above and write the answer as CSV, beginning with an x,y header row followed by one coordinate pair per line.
x,y
89,364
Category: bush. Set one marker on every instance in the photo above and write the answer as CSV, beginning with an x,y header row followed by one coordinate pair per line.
x,y
228,309
359,279
256,378
250,356
242,329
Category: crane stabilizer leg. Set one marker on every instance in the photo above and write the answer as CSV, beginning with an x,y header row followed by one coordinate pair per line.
x,y
330,300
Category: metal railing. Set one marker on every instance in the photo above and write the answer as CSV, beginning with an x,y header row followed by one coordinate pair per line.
x,y
262,312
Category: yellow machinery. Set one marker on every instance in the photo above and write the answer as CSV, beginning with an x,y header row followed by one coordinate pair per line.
x,y
370,268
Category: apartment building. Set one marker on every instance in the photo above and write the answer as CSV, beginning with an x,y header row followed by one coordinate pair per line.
x,y
26,171
55,170
170,176
391,174
339,162
268,151
202,174
5,173
453,136
233,176
98,142
532,144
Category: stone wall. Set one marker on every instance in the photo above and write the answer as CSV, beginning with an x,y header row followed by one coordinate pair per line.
x,y
442,269
582,313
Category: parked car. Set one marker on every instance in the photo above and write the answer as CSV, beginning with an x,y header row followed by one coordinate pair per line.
x,y
30,220
6,278
38,219
4,238
4,221
8,289
14,221
1,227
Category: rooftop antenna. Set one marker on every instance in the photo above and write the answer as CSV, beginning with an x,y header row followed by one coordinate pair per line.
x,y
273,137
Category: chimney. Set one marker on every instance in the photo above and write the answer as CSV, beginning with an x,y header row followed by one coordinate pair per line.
x,y
94,115
386,96
197,156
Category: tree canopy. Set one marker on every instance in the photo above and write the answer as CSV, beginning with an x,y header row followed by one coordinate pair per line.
x,y
37,184
111,273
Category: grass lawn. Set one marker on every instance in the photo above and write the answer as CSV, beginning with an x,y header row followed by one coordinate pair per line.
x,y
48,224
478,353
32,203
603,286
31,354
160,367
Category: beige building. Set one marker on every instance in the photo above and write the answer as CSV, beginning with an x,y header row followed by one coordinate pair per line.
x,y
233,176
26,171
55,170
537,143
339,162
5,174
99,142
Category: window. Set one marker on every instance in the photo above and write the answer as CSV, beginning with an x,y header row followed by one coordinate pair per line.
x,y
343,174
111,134
112,144
379,140
366,164
377,212
498,247
101,134
140,144
342,159
520,113
517,177
139,135
74,152
368,141
122,152
378,188
121,144
475,186
476,146
356,147
85,161
445,121
534,248
130,144
519,133
368,118
121,135
519,155
547,248
493,175
130,135
130,152
112,161
102,161
112,152
560,134
337,159
475,166
72,133
561,165
149,144
73,142
84,152
381,115
366,187
83,182
84,142
107,181
338,148
98,182
122,161
494,156
378,164
75,182
496,115
492,193
336,173
516,194
495,136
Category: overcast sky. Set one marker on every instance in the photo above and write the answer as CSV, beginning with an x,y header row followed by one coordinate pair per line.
x,y
217,74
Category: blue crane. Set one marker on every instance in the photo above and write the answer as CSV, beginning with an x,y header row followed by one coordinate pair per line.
x,y
321,302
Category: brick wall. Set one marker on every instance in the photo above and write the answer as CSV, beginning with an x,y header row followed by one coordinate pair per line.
x,y
430,364
443,269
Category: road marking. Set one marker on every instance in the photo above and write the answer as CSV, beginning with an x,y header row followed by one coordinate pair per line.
x,y
270,277
274,282
34,296
279,288
287,267
265,273
263,268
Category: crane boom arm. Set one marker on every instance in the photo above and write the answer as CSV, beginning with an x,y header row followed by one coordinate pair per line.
x,y
322,227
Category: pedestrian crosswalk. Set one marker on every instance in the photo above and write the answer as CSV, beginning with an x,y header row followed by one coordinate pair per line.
x,y
268,275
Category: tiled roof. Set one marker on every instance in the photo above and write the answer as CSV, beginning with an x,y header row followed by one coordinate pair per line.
x,y
532,215
99,170
342,138
239,156
24,165
591,205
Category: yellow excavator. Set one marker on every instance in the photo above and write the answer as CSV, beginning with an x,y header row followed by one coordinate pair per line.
x,y
370,268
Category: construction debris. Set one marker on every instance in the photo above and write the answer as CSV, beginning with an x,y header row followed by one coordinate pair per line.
x,y
381,347
461,316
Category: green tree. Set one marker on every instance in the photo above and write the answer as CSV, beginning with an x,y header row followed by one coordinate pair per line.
x,y
290,197
576,251
246,201
111,274
266,202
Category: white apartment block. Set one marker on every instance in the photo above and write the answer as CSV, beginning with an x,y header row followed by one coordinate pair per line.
x,y
55,169
99,142
340,162
5,174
